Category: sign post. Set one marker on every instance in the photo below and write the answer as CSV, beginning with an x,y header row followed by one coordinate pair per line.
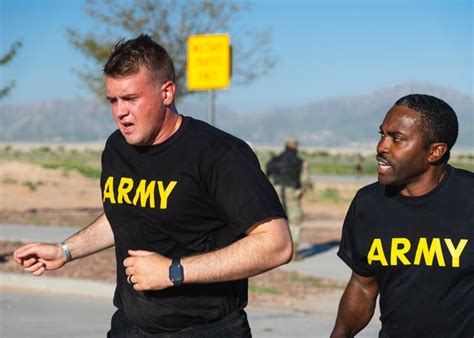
x,y
209,65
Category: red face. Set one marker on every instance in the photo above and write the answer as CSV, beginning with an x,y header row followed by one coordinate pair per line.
x,y
138,106
401,155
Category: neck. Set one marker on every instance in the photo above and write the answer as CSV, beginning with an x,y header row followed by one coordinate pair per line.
x,y
425,182
170,125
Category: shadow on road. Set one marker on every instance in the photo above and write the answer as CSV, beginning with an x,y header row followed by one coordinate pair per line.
x,y
317,249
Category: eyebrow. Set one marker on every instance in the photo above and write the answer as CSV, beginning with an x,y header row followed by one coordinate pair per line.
x,y
390,133
123,97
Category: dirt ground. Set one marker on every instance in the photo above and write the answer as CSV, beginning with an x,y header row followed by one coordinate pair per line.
x,y
31,194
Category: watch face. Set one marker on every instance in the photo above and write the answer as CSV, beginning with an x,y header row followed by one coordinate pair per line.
x,y
176,274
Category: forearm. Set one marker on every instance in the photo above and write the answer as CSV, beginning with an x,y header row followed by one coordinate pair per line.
x,y
356,308
266,247
95,237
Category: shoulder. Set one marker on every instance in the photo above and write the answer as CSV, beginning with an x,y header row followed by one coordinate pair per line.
x,y
463,179
463,175
115,138
370,193
372,189
206,136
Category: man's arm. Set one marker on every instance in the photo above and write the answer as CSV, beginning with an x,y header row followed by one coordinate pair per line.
x,y
356,307
266,246
39,257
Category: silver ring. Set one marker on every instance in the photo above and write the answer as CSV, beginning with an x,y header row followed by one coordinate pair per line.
x,y
129,280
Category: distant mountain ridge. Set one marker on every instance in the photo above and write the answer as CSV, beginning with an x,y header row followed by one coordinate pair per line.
x,y
56,121
350,121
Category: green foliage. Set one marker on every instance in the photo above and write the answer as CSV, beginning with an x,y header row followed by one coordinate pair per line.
x,y
5,59
170,22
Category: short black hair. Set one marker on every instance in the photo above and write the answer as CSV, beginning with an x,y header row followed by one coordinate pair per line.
x,y
128,56
439,122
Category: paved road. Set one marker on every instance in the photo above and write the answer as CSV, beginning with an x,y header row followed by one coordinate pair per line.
x,y
25,314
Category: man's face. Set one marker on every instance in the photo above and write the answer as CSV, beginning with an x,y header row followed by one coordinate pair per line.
x,y
401,155
137,106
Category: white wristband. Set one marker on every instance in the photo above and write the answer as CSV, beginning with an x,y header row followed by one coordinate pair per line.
x,y
66,251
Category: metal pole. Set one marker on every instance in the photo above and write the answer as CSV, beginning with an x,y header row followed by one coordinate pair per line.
x,y
210,107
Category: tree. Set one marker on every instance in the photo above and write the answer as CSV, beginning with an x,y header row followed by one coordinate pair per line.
x,y
170,22
5,59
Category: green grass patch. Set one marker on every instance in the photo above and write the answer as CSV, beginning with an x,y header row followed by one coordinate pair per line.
x,y
87,162
85,170
325,162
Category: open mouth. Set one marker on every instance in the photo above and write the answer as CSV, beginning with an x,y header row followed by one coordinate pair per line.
x,y
383,165
127,127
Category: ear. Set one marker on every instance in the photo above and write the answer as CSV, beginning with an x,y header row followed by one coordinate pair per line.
x,y
437,150
168,90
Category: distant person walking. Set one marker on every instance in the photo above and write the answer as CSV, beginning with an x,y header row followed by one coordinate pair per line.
x,y
359,167
290,177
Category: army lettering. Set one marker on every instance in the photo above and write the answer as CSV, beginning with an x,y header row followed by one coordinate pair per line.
x,y
143,195
425,253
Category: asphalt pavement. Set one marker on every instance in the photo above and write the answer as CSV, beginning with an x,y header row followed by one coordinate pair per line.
x,y
60,307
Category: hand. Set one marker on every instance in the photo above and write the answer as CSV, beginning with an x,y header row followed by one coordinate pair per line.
x,y
39,257
147,270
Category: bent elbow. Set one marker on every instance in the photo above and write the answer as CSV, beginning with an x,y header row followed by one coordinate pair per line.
x,y
288,252
285,252
285,246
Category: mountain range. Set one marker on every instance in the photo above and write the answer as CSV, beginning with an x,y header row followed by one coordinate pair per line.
x,y
350,121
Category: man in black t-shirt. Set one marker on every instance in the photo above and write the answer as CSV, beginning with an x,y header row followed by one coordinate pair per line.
x,y
187,207
409,237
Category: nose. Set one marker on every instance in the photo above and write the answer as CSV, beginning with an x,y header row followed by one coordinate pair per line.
x,y
120,110
384,144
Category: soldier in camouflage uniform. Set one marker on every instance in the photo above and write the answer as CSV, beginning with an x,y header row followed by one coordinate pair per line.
x,y
290,177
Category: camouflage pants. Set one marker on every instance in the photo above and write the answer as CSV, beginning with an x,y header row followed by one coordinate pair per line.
x,y
290,198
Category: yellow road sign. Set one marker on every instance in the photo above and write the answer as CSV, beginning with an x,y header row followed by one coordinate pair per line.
x,y
209,61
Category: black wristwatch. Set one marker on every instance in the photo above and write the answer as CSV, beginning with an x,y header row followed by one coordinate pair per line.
x,y
176,272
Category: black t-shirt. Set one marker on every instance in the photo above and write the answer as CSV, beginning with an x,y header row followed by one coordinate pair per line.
x,y
198,191
286,169
421,251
